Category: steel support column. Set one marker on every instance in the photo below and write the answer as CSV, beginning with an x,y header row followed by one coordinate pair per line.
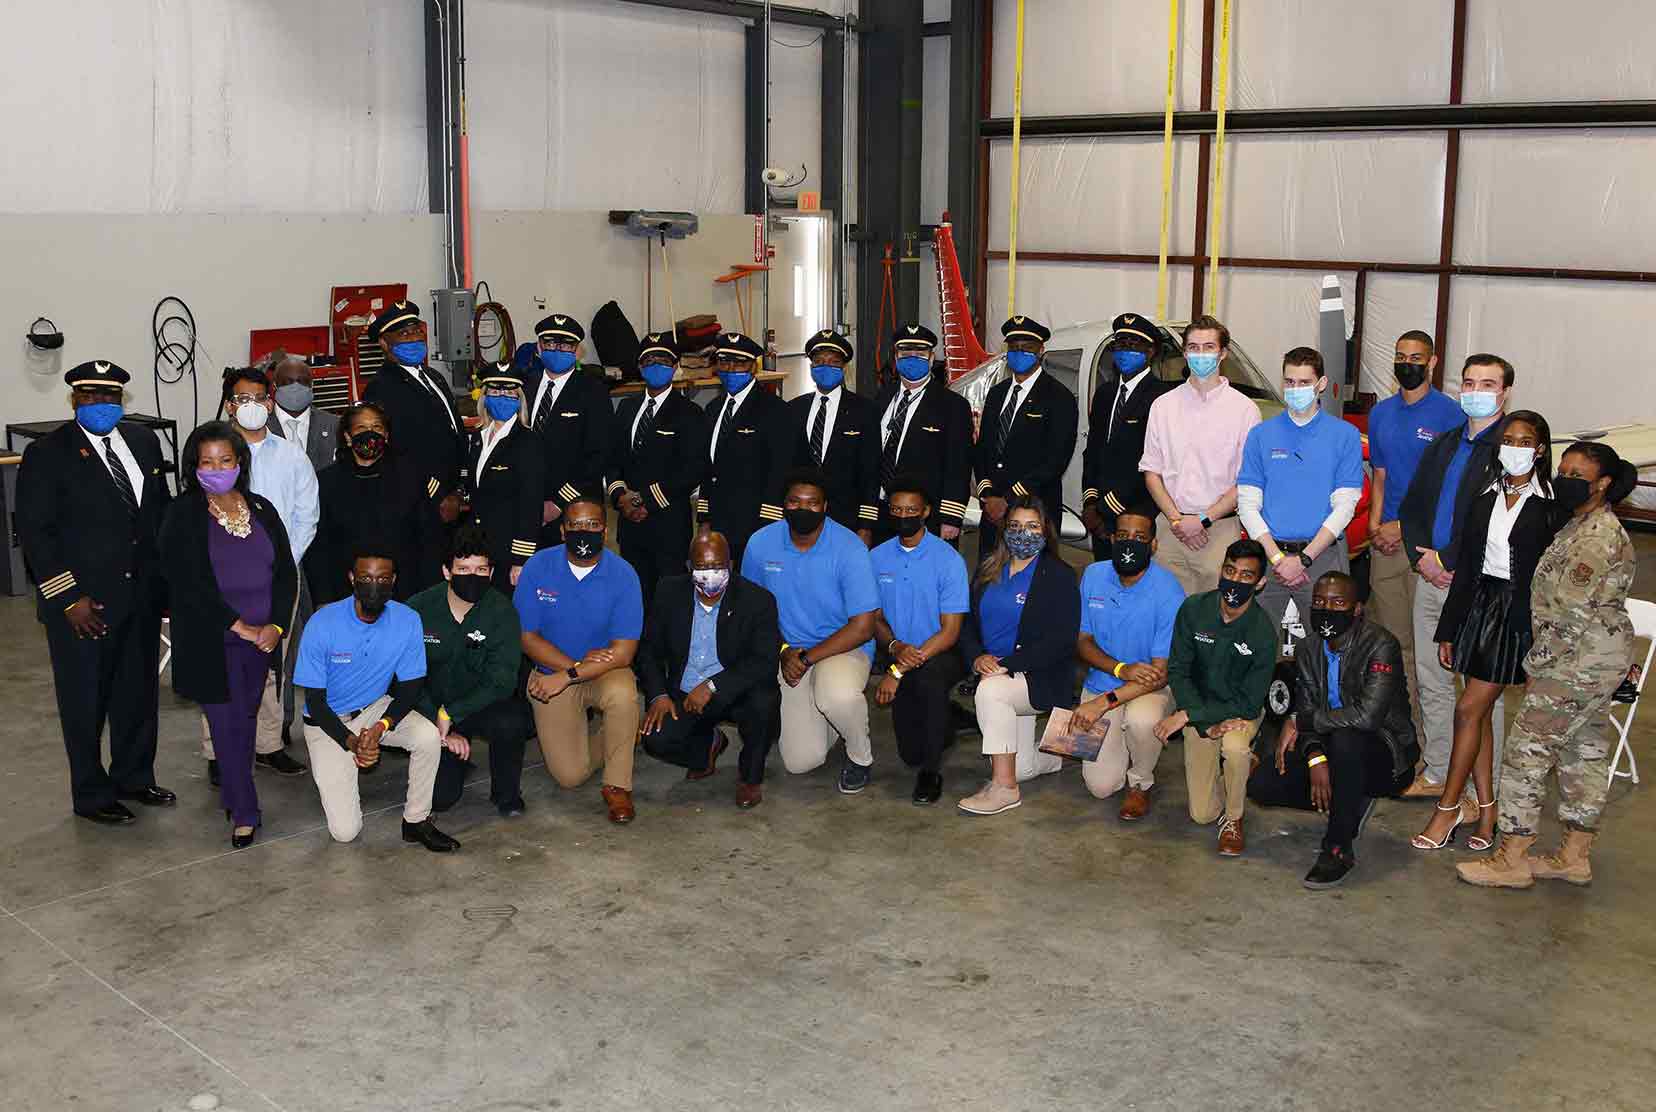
x,y
833,158
965,162
444,38
1451,190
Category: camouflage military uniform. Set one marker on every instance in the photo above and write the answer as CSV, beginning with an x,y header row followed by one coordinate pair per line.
x,y
1582,650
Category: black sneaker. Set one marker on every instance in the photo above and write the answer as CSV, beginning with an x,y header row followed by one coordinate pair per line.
x,y
429,836
928,787
1330,870
280,763
853,778
212,773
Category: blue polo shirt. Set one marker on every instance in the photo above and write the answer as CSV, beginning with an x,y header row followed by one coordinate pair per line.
x,y
355,661
1000,610
919,585
579,615
1132,624
1298,467
816,591
1398,434
1443,519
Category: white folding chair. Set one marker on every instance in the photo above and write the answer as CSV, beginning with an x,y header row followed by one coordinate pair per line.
x,y
1643,614
166,644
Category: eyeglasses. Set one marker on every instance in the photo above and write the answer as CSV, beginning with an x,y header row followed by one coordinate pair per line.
x,y
557,345
243,399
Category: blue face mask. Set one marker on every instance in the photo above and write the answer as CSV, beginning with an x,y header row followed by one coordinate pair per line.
x,y
656,375
410,353
1300,398
1129,363
557,361
1478,404
99,417
735,381
1022,362
827,377
913,367
1202,364
1023,543
500,406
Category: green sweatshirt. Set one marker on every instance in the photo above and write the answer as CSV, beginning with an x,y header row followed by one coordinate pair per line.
x,y
1220,669
470,664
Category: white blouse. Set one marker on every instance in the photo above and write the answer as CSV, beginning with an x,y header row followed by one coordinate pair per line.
x,y
1497,559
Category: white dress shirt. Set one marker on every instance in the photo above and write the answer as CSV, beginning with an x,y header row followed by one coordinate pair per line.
x,y
297,429
1023,388
135,473
436,391
492,435
832,397
283,476
555,383
1497,555
659,400
914,392
718,422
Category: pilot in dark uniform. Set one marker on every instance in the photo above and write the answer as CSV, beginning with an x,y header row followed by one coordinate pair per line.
x,y
1027,433
835,432
750,447
571,413
925,431
90,499
427,427
657,458
507,472
1110,477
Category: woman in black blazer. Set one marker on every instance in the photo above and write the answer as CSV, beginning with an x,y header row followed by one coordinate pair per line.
x,y
506,482
1484,629
1020,636
229,573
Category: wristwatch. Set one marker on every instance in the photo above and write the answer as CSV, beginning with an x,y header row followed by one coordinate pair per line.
x,y
711,686
805,657
1110,697
574,676
1207,522
1306,558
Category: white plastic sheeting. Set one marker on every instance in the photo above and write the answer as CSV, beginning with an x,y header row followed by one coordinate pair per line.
x,y
1547,50
1085,56
1392,304
1062,294
1314,54
234,106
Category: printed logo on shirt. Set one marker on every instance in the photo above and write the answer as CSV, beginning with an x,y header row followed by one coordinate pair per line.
x,y
773,567
1424,433
433,639
1242,649
478,636
1279,453
1204,639
340,657
1097,602
546,595
887,577
1023,597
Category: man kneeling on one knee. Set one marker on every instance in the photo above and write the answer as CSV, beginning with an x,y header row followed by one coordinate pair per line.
x,y
361,665
1351,726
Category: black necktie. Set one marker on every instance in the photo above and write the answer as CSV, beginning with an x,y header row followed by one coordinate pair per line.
x,y
544,407
1008,413
123,482
894,438
726,424
1115,410
646,424
817,427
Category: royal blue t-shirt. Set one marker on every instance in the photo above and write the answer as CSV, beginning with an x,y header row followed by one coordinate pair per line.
x,y
579,615
355,661
817,591
918,585
1298,467
1398,436
1001,609
1133,624
1443,519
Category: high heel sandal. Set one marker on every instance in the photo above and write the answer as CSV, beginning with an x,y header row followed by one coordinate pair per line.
x,y
1420,841
1477,843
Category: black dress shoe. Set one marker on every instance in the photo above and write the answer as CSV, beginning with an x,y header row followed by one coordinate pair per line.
x,y
928,787
151,796
429,837
280,763
242,841
112,814
212,773
1330,870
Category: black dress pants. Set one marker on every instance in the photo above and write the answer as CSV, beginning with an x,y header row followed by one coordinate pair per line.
x,y
505,726
920,712
685,741
1359,769
113,678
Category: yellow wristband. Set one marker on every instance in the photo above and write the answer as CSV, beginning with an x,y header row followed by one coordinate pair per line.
x,y
896,672
280,632
1278,558
1317,760
442,712
387,723
1116,671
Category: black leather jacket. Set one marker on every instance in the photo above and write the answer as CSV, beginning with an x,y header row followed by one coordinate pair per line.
x,y
1373,692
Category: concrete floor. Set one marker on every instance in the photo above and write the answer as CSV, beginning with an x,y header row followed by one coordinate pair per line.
x,y
821,952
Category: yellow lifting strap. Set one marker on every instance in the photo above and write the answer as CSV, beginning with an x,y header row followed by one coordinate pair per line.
x,y
1218,202
1167,156
1017,142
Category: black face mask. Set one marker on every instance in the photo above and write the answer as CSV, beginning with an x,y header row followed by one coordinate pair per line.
x,y
369,445
372,596
583,544
1234,592
1409,375
907,527
1570,492
1332,625
803,522
468,586
1130,557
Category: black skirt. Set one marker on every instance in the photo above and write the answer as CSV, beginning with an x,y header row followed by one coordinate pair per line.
x,y
1490,645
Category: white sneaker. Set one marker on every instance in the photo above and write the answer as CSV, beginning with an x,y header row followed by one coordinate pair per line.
x,y
991,800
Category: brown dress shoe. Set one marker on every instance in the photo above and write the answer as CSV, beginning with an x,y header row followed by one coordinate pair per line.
x,y
749,795
719,745
619,801
1230,838
1135,804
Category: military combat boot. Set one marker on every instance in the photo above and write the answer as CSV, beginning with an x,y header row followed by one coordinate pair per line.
x,y
1570,862
1507,867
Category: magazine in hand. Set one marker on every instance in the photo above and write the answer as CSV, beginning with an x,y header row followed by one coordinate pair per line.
x,y
1062,739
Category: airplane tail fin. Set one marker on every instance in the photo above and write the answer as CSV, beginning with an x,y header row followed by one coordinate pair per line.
x,y
960,344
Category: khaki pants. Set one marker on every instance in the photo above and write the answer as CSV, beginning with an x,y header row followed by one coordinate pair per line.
x,y
335,770
1131,748
1210,791
267,737
1391,606
1197,570
1437,691
1007,721
830,699
572,753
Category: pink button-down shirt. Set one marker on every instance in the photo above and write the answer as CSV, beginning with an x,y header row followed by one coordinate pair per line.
x,y
1194,442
